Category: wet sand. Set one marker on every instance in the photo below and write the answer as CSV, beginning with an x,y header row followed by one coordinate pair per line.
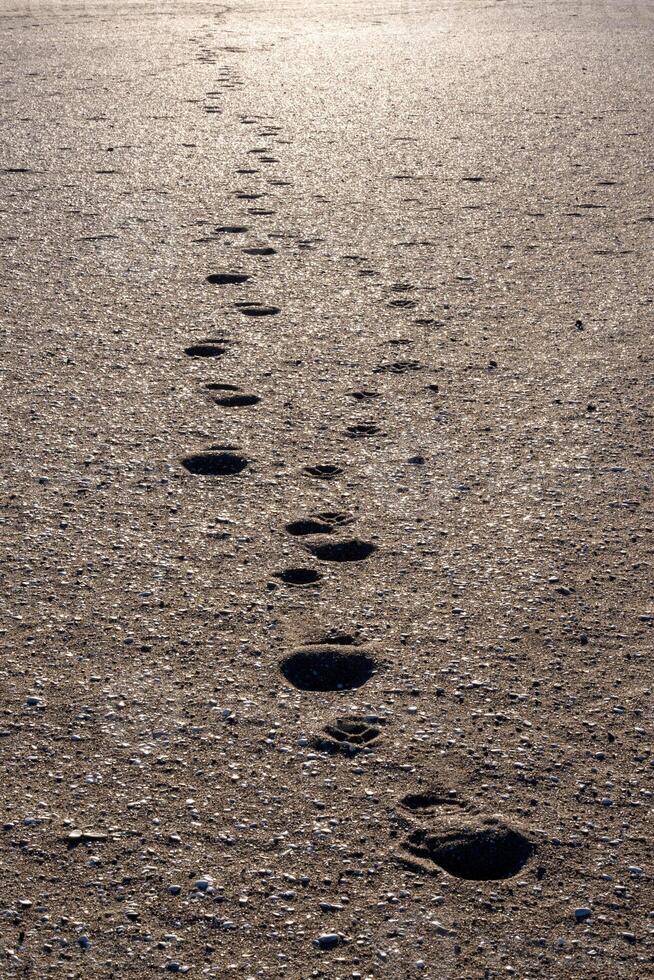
x,y
327,621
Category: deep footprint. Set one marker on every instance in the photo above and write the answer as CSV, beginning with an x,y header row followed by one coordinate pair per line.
x,y
327,668
206,348
237,401
226,279
347,549
214,464
260,310
299,576
487,853
423,802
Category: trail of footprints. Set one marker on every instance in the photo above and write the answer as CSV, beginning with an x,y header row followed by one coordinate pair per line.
x,y
440,833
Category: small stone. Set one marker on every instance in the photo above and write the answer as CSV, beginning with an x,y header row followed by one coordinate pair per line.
x,y
84,942
582,914
174,889
440,929
328,940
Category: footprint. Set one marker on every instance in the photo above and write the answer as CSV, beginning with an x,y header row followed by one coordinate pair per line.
x,y
323,471
345,549
214,464
220,386
323,523
488,853
237,401
398,367
299,576
260,251
327,668
349,734
428,802
260,310
361,396
227,279
206,348
362,429
402,304
230,230
331,637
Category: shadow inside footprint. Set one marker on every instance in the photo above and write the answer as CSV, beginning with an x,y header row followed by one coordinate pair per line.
x,y
259,310
422,802
347,549
325,668
325,522
214,464
237,401
226,279
206,348
486,853
309,525
299,576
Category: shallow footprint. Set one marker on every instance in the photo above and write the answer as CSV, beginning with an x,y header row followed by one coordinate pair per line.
x,y
398,367
349,734
323,523
362,429
323,471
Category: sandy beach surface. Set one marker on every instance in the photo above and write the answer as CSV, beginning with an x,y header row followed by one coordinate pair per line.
x,y
326,615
